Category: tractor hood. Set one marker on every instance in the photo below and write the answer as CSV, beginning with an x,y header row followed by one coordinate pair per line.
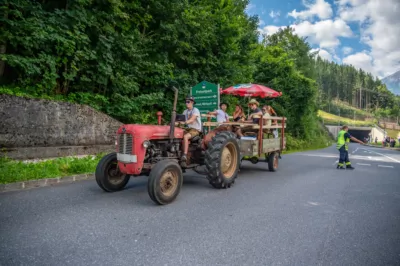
x,y
131,152
149,132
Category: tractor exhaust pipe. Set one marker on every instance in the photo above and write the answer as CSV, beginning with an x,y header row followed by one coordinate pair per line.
x,y
173,116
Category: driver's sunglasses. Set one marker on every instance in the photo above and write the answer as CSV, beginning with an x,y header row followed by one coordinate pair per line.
x,y
264,110
187,101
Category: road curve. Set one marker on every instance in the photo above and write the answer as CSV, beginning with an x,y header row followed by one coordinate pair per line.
x,y
307,213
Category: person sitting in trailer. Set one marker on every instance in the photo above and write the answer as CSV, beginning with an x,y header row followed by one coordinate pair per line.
x,y
239,115
266,116
267,109
255,111
221,114
222,117
272,112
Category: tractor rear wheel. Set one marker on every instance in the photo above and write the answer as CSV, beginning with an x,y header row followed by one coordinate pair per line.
x,y
108,176
165,182
222,160
273,161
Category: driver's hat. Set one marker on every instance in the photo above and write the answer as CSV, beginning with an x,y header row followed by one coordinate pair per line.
x,y
190,98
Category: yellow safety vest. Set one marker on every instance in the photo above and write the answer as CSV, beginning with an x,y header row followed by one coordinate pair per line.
x,y
342,141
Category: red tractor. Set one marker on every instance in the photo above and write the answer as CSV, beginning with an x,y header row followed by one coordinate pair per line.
x,y
155,151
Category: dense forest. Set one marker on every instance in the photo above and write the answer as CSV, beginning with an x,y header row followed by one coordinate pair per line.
x,y
122,56
356,88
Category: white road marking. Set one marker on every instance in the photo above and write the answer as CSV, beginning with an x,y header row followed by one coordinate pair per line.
x,y
364,164
335,162
397,161
355,151
355,157
387,166
320,155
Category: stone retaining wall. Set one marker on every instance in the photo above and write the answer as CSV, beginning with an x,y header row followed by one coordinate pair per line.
x,y
41,128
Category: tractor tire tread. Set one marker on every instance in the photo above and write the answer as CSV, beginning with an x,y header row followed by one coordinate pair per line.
x,y
102,180
212,159
153,184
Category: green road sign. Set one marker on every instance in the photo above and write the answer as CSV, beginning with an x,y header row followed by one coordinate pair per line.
x,y
206,95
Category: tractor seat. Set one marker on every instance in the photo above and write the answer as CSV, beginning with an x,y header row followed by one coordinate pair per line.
x,y
196,138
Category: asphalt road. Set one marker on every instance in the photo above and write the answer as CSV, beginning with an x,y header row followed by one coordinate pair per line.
x,y
307,213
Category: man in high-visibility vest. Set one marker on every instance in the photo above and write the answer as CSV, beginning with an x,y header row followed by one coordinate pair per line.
x,y
343,146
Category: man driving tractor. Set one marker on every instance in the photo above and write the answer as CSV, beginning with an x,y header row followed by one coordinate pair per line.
x,y
193,123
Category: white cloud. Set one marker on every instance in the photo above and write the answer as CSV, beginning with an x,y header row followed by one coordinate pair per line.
x,y
273,14
323,53
337,59
324,33
380,29
360,60
250,7
378,21
319,8
269,30
347,50
261,22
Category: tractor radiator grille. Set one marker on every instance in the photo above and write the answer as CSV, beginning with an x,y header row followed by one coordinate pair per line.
x,y
125,143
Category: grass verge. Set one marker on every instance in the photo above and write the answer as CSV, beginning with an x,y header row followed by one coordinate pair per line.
x,y
317,146
17,171
334,119
311,148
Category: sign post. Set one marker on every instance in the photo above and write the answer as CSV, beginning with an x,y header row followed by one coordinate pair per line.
x,y
207,98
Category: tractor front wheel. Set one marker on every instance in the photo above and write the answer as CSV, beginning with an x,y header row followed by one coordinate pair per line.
x,y
108,175
222,160
165,182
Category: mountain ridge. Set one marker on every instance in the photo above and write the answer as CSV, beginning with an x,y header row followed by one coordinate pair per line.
x,y
393,82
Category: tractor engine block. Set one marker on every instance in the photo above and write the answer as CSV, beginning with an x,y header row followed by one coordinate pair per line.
x,y
162,149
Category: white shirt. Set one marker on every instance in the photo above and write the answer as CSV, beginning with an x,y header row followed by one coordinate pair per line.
x,y
221,116
188,114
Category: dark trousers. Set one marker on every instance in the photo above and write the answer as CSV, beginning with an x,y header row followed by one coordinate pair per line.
x,y
344,156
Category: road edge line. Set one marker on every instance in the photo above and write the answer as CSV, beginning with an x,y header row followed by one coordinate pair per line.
x,y
394,160
44,182
384,148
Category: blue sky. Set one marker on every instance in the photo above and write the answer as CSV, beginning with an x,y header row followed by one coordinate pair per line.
x,y
363,33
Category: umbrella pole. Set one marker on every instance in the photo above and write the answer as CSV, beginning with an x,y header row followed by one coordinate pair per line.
x,y
248,108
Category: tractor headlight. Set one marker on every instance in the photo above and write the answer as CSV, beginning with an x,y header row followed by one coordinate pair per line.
x,y
146,144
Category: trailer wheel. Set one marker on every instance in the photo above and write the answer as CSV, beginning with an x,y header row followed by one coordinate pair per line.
x,y
165,182
273,161
108,176
222,160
